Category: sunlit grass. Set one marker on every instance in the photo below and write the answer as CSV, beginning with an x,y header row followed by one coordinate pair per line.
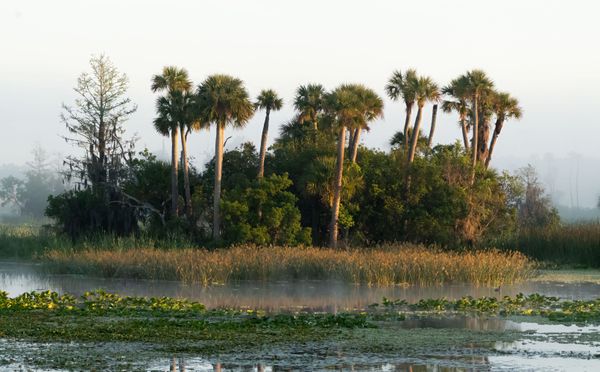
x,y
384,265
176,258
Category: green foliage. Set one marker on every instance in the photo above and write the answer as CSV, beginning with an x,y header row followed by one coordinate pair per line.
x,y
263,213
442,207
148,188
149,180
84,212
239,168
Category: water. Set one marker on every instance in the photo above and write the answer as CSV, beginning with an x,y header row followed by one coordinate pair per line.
x,y
543,347
17,278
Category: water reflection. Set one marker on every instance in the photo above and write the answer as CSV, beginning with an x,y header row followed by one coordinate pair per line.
x,y
198,364
461,322
512,362
330,295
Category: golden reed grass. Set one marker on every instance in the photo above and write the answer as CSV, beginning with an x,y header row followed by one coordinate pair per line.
x,y
382,266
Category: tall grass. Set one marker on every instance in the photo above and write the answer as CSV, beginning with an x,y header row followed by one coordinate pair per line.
x,y
385,265
26,241
30,241
571,244
176,258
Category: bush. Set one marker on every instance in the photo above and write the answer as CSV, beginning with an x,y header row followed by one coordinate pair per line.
x,y
81,212
263,213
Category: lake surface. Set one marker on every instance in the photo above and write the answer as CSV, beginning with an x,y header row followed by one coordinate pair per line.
x,y
543,347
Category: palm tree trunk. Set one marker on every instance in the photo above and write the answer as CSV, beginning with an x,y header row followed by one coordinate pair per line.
x,y
409,107
174,171
475,137
415,135
186,175
218,174
350,142
432,130
337,190
355,142
497,129
263,145
465,133
484,137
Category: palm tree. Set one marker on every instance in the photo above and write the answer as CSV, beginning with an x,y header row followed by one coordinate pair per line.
x,y
309,103
403,86
478,83
425,91
267,100
350,106
222,100
372,108
189,121
457,89
173,80
505,107
176,114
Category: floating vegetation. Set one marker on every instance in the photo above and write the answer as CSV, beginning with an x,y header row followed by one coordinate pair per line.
x,y
101,303
553,308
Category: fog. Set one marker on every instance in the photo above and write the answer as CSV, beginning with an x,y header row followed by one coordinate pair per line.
x,y
543,52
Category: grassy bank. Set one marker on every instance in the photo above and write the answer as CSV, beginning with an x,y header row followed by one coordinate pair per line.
x,y
385,265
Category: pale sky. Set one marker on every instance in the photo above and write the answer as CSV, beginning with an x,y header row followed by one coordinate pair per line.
x,y
546,53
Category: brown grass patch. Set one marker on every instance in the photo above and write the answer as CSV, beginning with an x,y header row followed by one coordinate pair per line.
x,y
385,265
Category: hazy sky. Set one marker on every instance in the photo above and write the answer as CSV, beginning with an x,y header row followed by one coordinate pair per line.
x,y
546,53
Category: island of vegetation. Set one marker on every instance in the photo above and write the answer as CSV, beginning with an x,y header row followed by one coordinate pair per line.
x,y
126,212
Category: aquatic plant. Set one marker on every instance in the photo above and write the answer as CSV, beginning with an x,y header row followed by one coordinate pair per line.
x,y
99,302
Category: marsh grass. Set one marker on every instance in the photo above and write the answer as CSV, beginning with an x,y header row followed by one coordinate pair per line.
x,y
34,241
176,258
385,265
571,244
26,241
